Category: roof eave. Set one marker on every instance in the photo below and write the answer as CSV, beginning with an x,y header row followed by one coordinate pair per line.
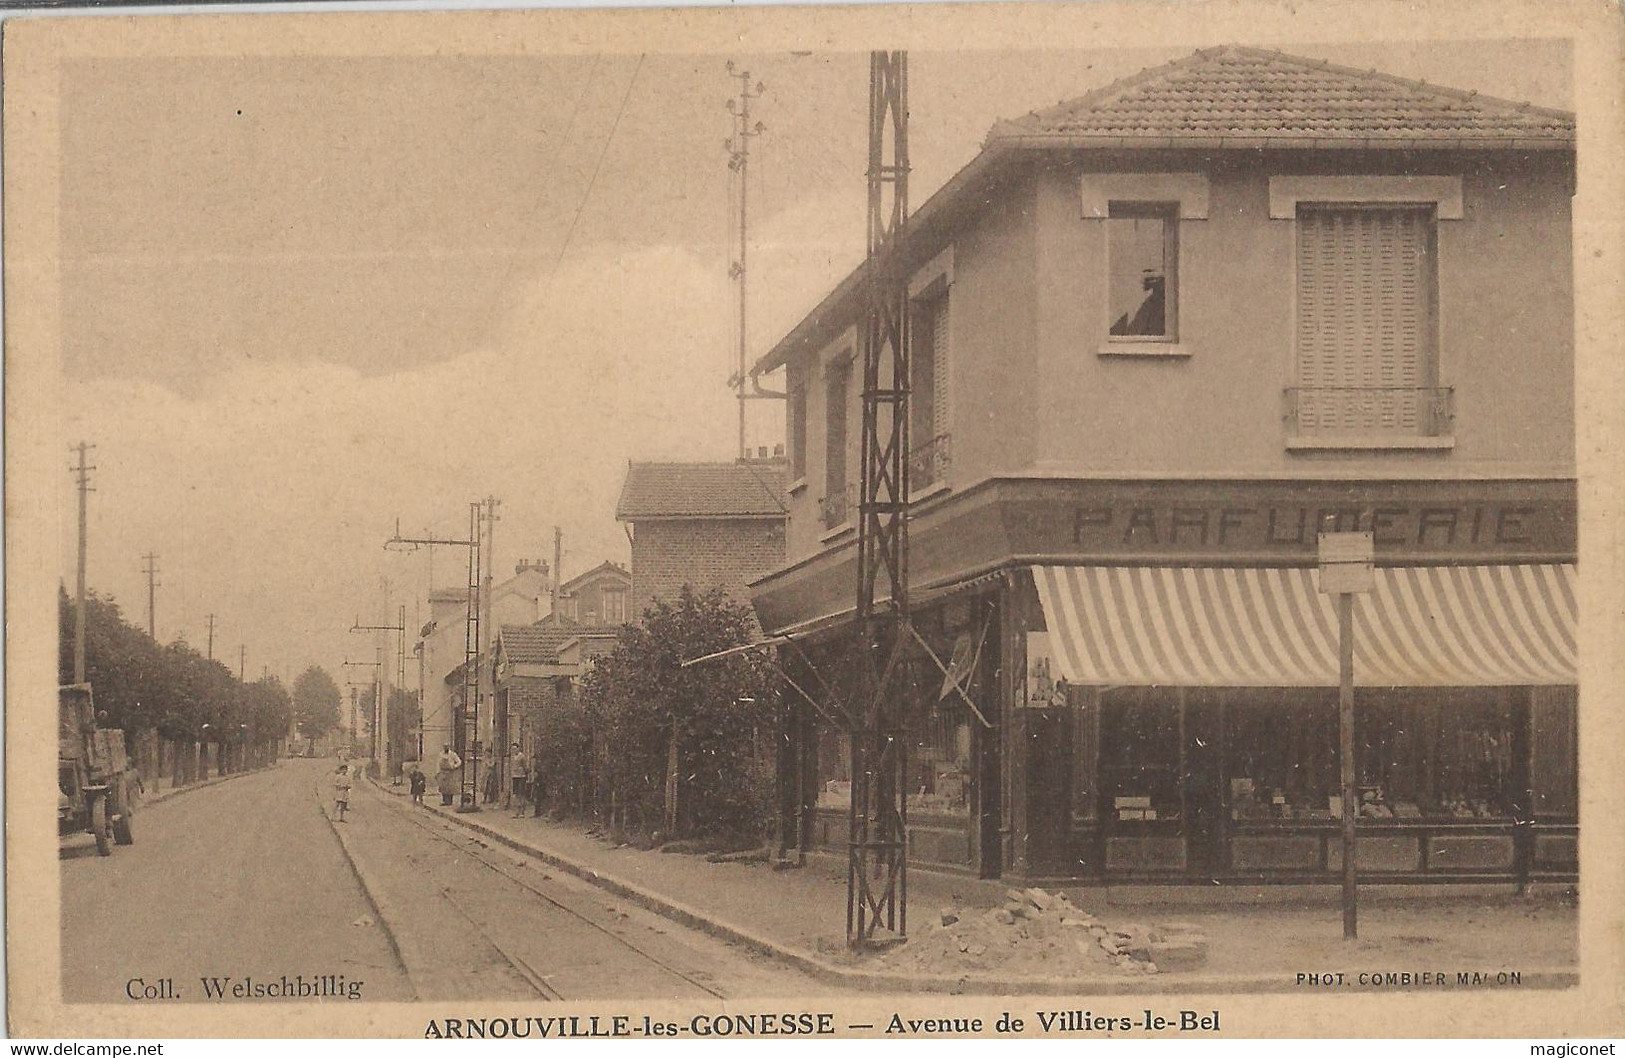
x,y
816,328
1075,141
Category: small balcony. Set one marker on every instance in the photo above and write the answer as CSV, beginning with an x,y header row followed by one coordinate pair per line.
x,y
1370,416
928,464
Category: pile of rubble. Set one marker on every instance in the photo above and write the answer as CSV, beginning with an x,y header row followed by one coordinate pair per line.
x,y
1044,934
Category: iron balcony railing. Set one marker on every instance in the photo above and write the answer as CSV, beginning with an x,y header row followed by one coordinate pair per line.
x,y
929,463
1370,411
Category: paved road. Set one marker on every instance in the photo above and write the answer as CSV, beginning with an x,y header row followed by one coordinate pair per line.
x,y
249,879
477,920
241,879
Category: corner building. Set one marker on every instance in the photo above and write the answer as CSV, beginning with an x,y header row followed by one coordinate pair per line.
x,y
1162,335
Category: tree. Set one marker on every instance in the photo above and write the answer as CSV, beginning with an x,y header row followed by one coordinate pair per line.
x,y
315,702
711,721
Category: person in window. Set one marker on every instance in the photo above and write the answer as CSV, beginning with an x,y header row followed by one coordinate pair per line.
x,y
1149,319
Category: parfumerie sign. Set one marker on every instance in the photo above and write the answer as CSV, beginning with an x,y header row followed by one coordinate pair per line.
x,y
1291,528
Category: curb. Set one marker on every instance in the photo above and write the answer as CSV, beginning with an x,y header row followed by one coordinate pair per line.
x,y
369,889
830,972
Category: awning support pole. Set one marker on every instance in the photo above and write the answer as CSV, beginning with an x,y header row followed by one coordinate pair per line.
x,y
1345,731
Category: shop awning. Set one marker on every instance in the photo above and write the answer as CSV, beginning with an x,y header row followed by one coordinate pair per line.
x,y
1220,627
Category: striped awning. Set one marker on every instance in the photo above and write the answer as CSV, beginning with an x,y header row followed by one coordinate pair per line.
x,y
1449,626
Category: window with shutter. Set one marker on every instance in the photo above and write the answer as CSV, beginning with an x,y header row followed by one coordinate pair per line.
x,y
836,383
928,392
1365,323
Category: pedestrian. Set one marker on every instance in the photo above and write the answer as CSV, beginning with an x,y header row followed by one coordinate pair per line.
x,y
341,790
448,779
491,786
417,781
518,779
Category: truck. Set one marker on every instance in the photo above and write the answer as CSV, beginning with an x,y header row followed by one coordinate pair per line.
x,y
94,780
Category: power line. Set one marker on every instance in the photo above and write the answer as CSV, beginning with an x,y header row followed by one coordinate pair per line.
x,y
593,180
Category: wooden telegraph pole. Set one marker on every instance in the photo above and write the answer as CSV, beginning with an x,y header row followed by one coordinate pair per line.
x,y
82,471
1346,561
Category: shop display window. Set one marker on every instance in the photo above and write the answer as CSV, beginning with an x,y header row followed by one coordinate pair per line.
x,y
834,767
1434,753
1281,755
1139,755
939,767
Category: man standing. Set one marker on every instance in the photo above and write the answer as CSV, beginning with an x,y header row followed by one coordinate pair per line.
x,y
518,779
448,779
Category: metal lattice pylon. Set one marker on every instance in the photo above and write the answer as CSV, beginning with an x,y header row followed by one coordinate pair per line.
x,y
877,843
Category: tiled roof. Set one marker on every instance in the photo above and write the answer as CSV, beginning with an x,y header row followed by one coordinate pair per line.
x,y
702,490
1235,96
1230,97
539,643
611,569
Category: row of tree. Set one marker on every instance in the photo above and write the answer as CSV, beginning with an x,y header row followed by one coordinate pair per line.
x,y
652,746
143,685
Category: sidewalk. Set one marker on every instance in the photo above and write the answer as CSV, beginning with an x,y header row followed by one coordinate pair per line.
x,y
799,915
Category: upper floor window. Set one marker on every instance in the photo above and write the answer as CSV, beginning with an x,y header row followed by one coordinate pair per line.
x,y
797,429
614,607
928,389
837,380
1142,270
1366,349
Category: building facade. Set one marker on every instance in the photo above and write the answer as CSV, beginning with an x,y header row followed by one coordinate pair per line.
x,y
598,596
706,525
1162,336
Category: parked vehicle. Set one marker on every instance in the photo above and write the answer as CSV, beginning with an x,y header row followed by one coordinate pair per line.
x,y
94,778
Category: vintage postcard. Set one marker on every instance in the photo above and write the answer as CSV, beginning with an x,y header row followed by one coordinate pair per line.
x,y
1074,521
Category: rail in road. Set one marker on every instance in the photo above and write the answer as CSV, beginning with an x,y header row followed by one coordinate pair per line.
x,y
506,928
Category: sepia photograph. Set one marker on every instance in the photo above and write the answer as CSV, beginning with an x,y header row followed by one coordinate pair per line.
x,y
1009,520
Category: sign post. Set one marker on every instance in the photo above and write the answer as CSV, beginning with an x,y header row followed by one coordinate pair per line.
x,y
1346,568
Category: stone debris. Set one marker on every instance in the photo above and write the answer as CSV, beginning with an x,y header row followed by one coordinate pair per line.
x,y
1038,933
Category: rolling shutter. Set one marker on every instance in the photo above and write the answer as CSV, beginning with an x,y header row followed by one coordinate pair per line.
x,y
939,367
1364,279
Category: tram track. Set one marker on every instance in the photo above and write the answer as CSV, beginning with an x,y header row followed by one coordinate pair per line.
x,y
476,851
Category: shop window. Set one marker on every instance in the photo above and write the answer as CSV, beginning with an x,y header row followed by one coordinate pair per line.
x,y
1554,750
1142,255
1139,755
834,767
1281,755
939,767
1442,753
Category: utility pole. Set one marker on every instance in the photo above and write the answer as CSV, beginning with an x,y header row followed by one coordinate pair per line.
x,y
486,688
83,473
877,842
467,719
151,570
398,627
211,637
242,661
738,146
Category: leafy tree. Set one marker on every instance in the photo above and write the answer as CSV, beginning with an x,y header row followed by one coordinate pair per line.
x,y
640,701
315,702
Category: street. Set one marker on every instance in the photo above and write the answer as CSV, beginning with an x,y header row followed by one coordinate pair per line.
x,y
247,880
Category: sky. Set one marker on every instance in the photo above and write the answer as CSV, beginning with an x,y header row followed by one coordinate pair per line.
x,y
304,298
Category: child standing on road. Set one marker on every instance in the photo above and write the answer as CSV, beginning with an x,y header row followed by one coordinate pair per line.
x,y
341,790
419,782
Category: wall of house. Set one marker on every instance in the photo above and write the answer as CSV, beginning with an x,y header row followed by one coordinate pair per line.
x,y
993,327
1505,330
1031,394
705,553
584,602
